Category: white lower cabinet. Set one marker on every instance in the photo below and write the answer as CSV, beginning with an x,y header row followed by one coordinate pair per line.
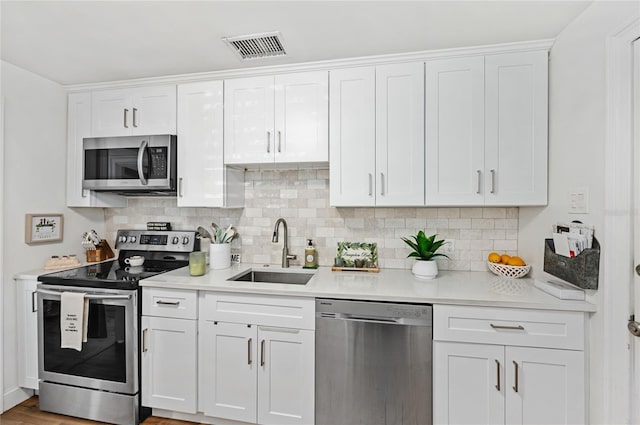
x,y
256,372
286,376
169,350
27,308
230,385
465,384
545,386
503,382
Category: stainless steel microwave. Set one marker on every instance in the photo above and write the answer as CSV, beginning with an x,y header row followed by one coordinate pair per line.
x,y
131,165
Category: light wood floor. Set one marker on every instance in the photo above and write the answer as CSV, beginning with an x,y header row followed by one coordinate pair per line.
x,y
28,413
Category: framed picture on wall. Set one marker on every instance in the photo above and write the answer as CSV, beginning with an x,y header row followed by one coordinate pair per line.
x,y
43,228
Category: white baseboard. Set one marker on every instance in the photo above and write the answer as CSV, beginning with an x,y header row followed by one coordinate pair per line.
x,y
15,396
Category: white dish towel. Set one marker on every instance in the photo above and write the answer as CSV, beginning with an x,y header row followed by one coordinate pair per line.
x,y
74,315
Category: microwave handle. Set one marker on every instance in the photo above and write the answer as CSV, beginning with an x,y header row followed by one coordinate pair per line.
x,y
141,151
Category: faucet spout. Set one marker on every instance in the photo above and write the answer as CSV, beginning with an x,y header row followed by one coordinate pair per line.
x,y
285,249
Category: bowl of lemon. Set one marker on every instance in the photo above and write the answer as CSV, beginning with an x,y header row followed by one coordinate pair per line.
x,y
507,266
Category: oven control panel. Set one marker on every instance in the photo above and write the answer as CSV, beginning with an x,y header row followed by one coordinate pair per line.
x,y
156,240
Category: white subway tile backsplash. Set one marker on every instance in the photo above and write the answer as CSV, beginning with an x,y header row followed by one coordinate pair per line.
x,y
505,245
482,223
494,213
471,212
448,212
493,234
302,198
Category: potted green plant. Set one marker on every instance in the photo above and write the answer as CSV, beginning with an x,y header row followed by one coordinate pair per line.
x,y
425,250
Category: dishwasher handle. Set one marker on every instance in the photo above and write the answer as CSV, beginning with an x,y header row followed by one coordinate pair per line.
x,y
372,319
359,318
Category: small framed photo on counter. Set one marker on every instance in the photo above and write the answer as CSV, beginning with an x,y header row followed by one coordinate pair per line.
x,y
43,228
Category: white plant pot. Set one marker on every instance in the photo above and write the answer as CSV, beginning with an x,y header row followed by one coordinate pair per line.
x,y
425,269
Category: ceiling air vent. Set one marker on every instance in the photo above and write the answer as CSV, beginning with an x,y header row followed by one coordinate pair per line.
x,y
256,46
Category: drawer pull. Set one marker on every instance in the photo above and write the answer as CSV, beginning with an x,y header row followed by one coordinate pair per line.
x,y
160,302
498,372
144,340
515,387
512,328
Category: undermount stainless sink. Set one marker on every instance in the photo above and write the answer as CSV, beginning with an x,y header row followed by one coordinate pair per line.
x,y
267,276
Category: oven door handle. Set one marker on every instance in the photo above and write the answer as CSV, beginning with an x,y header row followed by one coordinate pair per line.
x,y
88,296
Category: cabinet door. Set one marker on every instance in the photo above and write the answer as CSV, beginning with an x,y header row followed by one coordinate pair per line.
x,y
168,383
153,110
28,333
400,135
468,383
352,116
286,376
78,127
229,359
200,147
455,131
302,117
516,128
550,386
111,113
248,120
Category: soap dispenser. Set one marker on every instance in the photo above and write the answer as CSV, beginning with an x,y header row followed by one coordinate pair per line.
x,y
310,256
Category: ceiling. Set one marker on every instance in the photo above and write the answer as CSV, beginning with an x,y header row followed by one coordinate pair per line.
x,y
73,42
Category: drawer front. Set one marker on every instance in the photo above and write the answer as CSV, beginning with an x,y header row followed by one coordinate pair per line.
x,y
507,326
174,303
287,312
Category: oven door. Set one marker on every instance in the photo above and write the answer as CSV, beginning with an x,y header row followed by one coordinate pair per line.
x,y
108,360
128,163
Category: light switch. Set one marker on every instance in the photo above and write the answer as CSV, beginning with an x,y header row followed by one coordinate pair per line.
x,y
579,201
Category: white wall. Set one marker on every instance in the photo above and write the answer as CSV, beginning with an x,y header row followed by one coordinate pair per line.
x,y
577,130
34,182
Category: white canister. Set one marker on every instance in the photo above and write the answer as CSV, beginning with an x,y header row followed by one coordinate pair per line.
x,y
220,256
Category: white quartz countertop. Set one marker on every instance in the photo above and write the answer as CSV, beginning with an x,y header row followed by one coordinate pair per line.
x,y
450,287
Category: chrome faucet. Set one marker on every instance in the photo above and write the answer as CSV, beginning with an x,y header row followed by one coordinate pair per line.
x,y
285,249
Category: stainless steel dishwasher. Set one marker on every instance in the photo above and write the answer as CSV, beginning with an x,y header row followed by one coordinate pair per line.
x,y
373,363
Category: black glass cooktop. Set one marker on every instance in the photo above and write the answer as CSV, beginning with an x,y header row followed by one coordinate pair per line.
x,y
110,274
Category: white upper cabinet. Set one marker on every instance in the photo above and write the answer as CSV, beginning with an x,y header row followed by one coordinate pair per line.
x,y
203,180
400,134
455,131
248,120
302,117
352,136
486,137
377,136
78,127
281,119
132,112
516,128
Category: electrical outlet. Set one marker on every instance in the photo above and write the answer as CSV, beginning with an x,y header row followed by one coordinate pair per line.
x,y
449,246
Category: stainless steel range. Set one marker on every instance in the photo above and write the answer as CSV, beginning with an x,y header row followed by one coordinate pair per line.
x,y
102,381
